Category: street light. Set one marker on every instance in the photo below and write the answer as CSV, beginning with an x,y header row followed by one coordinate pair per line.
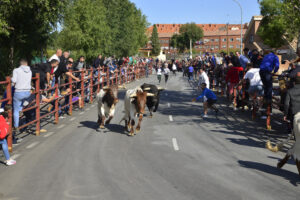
x,y
236,1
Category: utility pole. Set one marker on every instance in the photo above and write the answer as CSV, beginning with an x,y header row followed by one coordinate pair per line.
x,y
191,52
236,1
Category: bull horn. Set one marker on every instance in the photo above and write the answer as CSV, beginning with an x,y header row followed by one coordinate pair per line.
x,y
105,87
133,95
272,148
147,89
160,88
150,95
122,87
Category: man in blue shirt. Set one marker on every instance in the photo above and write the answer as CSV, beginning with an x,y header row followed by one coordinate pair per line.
x,y
191,71
269,63
209,99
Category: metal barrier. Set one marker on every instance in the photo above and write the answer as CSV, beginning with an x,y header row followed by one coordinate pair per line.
x,y
89,82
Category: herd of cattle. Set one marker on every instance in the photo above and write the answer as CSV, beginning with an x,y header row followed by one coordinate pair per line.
x,y
134,104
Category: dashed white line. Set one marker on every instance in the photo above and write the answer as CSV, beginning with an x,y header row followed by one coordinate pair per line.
x,y
32,145
93,105
48,134
175,144
14,157
73,118
170,118
81,113
169,105
61,126
277,122
87,109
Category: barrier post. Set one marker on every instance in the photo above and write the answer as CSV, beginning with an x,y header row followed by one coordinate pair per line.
x,y
117,83
107,77
10,121
102,82
234,97
56,115
70,94
37,109
82,89
91,86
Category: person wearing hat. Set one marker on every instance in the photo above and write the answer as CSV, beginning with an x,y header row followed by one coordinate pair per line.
x,y
209,99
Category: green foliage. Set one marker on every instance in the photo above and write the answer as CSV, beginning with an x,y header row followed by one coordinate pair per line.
x,y
281,21
25,28
189,31
155,42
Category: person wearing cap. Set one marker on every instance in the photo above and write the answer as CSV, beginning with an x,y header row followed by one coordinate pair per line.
x,y
209,99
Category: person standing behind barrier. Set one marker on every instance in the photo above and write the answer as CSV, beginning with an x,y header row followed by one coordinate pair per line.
x,y
269,63
3,134
174,68
22,81
56,56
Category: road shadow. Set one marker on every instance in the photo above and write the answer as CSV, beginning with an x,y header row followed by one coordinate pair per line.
x,y
114,128
292,177
89,124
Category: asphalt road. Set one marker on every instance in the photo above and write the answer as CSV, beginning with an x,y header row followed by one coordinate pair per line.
x,y
177,155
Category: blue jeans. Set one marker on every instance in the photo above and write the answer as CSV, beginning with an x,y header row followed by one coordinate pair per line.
x,y
18,99
5,148
266,78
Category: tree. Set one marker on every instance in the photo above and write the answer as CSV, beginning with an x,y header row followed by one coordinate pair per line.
x,y
25,27
155,42
189,31
281,22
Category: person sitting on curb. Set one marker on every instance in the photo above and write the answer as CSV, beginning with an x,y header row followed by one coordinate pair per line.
x,y
3,134
209,99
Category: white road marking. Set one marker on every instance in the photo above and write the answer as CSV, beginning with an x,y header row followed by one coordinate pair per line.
x,y
93,105
32,145
73,118
170,118
166,94
175,144
48,134
15,156
277,122
81,113
169,105
87,109
61,126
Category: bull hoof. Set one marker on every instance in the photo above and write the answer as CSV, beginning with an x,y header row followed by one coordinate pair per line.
x,y
107,122
137,130
102,127
131,134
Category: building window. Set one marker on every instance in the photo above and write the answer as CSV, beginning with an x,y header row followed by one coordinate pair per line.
x,y
200,47
216,47
224,39
206,40
251,38
217,40
224,46
206,47
231,39
237,46
231,46
238,39
212,40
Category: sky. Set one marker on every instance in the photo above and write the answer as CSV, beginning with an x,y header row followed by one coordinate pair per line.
x,y
198,11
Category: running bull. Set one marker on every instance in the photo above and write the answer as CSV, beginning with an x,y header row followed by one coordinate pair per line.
x,y
152,101
107,100
134,104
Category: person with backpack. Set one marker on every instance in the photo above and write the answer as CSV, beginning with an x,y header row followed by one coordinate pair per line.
x,y
4,127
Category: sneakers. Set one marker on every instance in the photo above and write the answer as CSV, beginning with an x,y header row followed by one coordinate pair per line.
x,y
205,116
10,162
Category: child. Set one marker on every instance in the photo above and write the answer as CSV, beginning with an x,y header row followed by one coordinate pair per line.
x,y
3,133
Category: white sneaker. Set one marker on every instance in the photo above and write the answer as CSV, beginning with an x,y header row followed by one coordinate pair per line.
x,y
205,116
10,162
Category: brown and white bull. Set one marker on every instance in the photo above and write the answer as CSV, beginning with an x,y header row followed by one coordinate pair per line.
x,y
107,99
134,104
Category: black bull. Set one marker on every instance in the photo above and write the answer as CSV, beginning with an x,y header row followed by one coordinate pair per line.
x,y
152,101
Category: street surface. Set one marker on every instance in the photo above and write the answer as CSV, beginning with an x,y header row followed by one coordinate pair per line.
x,y
176,156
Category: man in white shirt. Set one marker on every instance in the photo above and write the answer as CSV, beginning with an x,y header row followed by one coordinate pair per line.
x,y
56,56
256,85
203,78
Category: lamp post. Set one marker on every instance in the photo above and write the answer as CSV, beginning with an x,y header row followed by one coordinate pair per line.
x,y
236,1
